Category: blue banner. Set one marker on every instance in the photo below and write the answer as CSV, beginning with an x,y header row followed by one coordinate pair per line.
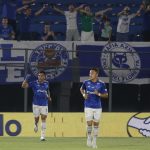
x,y
128,62
20,58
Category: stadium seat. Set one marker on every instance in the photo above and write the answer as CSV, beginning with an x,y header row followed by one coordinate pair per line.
x,y
36,28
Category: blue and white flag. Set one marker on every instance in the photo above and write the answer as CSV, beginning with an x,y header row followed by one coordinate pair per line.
x,y
129,62
52,57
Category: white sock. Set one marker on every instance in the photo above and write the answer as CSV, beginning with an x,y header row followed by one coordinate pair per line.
x,y
95,133
89,131
43,129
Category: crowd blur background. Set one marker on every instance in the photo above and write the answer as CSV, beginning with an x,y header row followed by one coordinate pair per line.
x,y
49,20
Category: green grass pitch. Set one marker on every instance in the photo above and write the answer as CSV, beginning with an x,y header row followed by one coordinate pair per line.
x,y
55,143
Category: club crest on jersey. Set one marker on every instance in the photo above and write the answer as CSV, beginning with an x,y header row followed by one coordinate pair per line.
x,y
51,57
125,61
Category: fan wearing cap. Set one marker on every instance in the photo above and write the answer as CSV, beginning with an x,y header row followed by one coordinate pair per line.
x,y
124,22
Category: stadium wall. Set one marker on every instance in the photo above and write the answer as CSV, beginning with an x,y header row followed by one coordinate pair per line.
x,y
131,98
73,125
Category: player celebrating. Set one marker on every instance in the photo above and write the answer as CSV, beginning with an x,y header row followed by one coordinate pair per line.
x,y
93,90
41,96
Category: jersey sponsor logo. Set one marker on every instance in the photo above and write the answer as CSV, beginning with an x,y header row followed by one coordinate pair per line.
x,y
125,62
139,125
51,57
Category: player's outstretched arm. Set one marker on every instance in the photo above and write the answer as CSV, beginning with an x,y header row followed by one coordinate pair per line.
x,y
25,82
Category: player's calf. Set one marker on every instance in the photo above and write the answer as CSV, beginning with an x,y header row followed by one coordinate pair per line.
x,y
36,128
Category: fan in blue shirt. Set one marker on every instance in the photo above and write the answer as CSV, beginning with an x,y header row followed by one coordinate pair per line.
x,y
6,31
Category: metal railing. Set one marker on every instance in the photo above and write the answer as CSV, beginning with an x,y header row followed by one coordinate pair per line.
x,y
73,52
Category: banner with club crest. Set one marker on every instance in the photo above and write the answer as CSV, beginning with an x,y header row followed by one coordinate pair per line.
x,y
129,62
17,59
125,62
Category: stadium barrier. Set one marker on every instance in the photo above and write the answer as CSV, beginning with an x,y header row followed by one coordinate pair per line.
x,y
73,125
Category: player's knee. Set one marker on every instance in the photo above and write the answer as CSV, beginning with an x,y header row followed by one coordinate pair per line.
x,y
96,123
89,123
43,117
37,118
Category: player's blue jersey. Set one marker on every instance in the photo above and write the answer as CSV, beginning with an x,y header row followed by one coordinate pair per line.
x,y
93,100
40,91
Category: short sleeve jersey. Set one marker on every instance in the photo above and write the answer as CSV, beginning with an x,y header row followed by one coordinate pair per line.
x,y
40,91
93,100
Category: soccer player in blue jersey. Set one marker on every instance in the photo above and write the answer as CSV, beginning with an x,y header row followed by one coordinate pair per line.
x,y
41,96
93,90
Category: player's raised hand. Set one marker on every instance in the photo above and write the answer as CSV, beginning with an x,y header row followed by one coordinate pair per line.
x,y
27,77
25,82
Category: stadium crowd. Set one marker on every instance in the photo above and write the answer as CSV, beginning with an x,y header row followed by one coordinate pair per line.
x,y
26,20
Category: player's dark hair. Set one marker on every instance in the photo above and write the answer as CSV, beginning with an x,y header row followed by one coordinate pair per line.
x,y
95,69
43,72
